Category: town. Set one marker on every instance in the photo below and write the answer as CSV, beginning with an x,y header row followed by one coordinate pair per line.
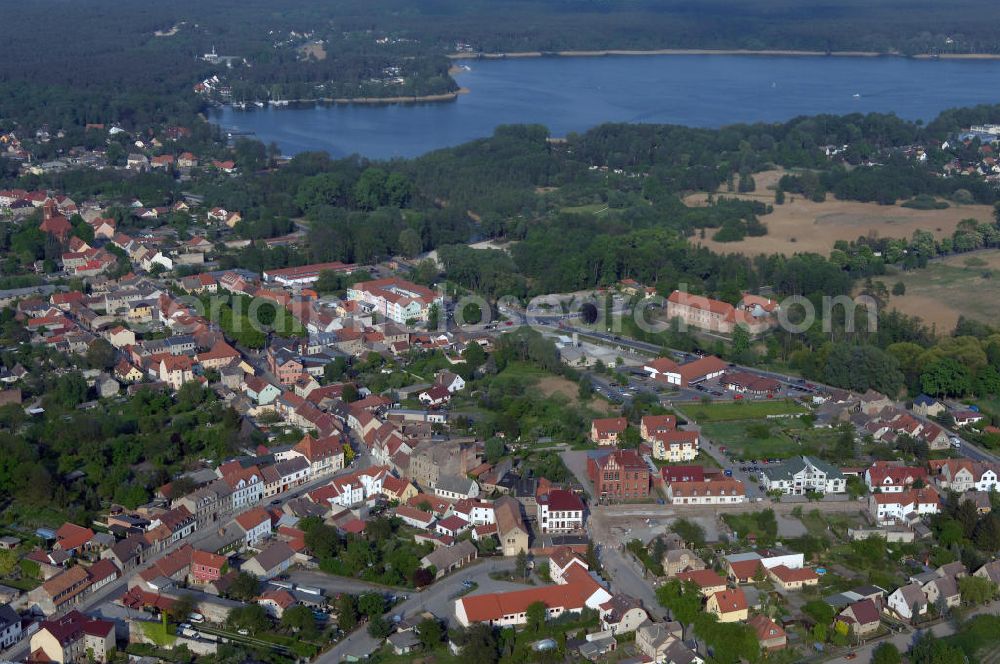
x,y
239,425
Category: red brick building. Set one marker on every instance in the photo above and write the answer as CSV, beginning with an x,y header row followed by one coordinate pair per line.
x,y
619,475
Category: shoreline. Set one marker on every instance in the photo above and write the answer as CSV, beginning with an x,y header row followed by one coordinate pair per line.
x,y
705,51
444,96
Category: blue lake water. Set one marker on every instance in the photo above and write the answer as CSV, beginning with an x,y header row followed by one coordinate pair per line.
x,y
574,94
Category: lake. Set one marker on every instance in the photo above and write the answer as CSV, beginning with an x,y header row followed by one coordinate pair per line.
x,y
573,94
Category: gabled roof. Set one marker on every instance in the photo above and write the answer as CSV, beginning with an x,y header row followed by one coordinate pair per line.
x,y
730,600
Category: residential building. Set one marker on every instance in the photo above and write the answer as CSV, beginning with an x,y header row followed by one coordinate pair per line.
x,y
271,561
788,578
73,638
10,627
708,581
908,601
891,478
900,507
943,592
728,605
714,492
559,511
754,313
770,635
608,430
395,299
862,618
511,530
256,525
801,474
676,446
622,615
676,561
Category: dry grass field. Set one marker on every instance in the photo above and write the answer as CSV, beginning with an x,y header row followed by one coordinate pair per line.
x,y
551,385
803,226
963,285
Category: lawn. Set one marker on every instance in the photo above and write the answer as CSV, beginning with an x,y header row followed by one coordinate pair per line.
x,y
959,285
742,410
768,438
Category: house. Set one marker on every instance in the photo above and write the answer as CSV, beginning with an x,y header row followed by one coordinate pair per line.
x,y
908,601
801,474
276,602
622,614
62,590
608,430
578,591
927,406
72,538
415,517
435,396
728,605
676,561
619,475
272,561
861,617
754,313
453,526
663,370
452,487
10,627
561,559
889,478
559,511
651,426
73,638
511,530
900,507
787,578
446,559
661,642
175,370
965,418
325,455
676,446
450,381
942,591
207,567
770,634
714,492
708,581
255,524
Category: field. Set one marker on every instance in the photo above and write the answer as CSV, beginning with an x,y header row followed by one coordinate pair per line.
x,y
551,385
803,226
769,439
742,410
961,285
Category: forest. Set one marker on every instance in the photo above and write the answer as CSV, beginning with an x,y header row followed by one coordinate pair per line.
x,y
134,63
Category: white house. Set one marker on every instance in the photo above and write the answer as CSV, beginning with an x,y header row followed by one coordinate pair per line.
x,y
559,511
256,524
908,601
801,474
455,488
476,512
893,507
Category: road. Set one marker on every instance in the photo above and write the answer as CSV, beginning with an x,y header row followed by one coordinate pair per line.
x,y
19,651
624,578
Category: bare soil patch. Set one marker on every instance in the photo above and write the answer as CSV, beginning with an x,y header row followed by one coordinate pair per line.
x,y
551,385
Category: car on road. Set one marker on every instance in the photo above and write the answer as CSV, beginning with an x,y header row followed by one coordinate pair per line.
x,y
243,632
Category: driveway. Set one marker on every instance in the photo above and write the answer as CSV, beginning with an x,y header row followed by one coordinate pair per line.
x,y
576,461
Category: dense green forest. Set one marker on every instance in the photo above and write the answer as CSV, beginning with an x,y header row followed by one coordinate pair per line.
x,y
134,62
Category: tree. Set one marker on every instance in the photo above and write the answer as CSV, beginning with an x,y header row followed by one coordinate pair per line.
x,y
101,355
421,577
946,377
521,564
741,341
409,242
347,612
535,614
371,604
245,587
493,449
252,617
586,388
299,618
886,653
184,606
691,532
899,288
431,633
976,590
479,644
931,650
379,628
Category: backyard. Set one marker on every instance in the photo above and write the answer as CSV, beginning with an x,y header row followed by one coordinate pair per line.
x,y
778,438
